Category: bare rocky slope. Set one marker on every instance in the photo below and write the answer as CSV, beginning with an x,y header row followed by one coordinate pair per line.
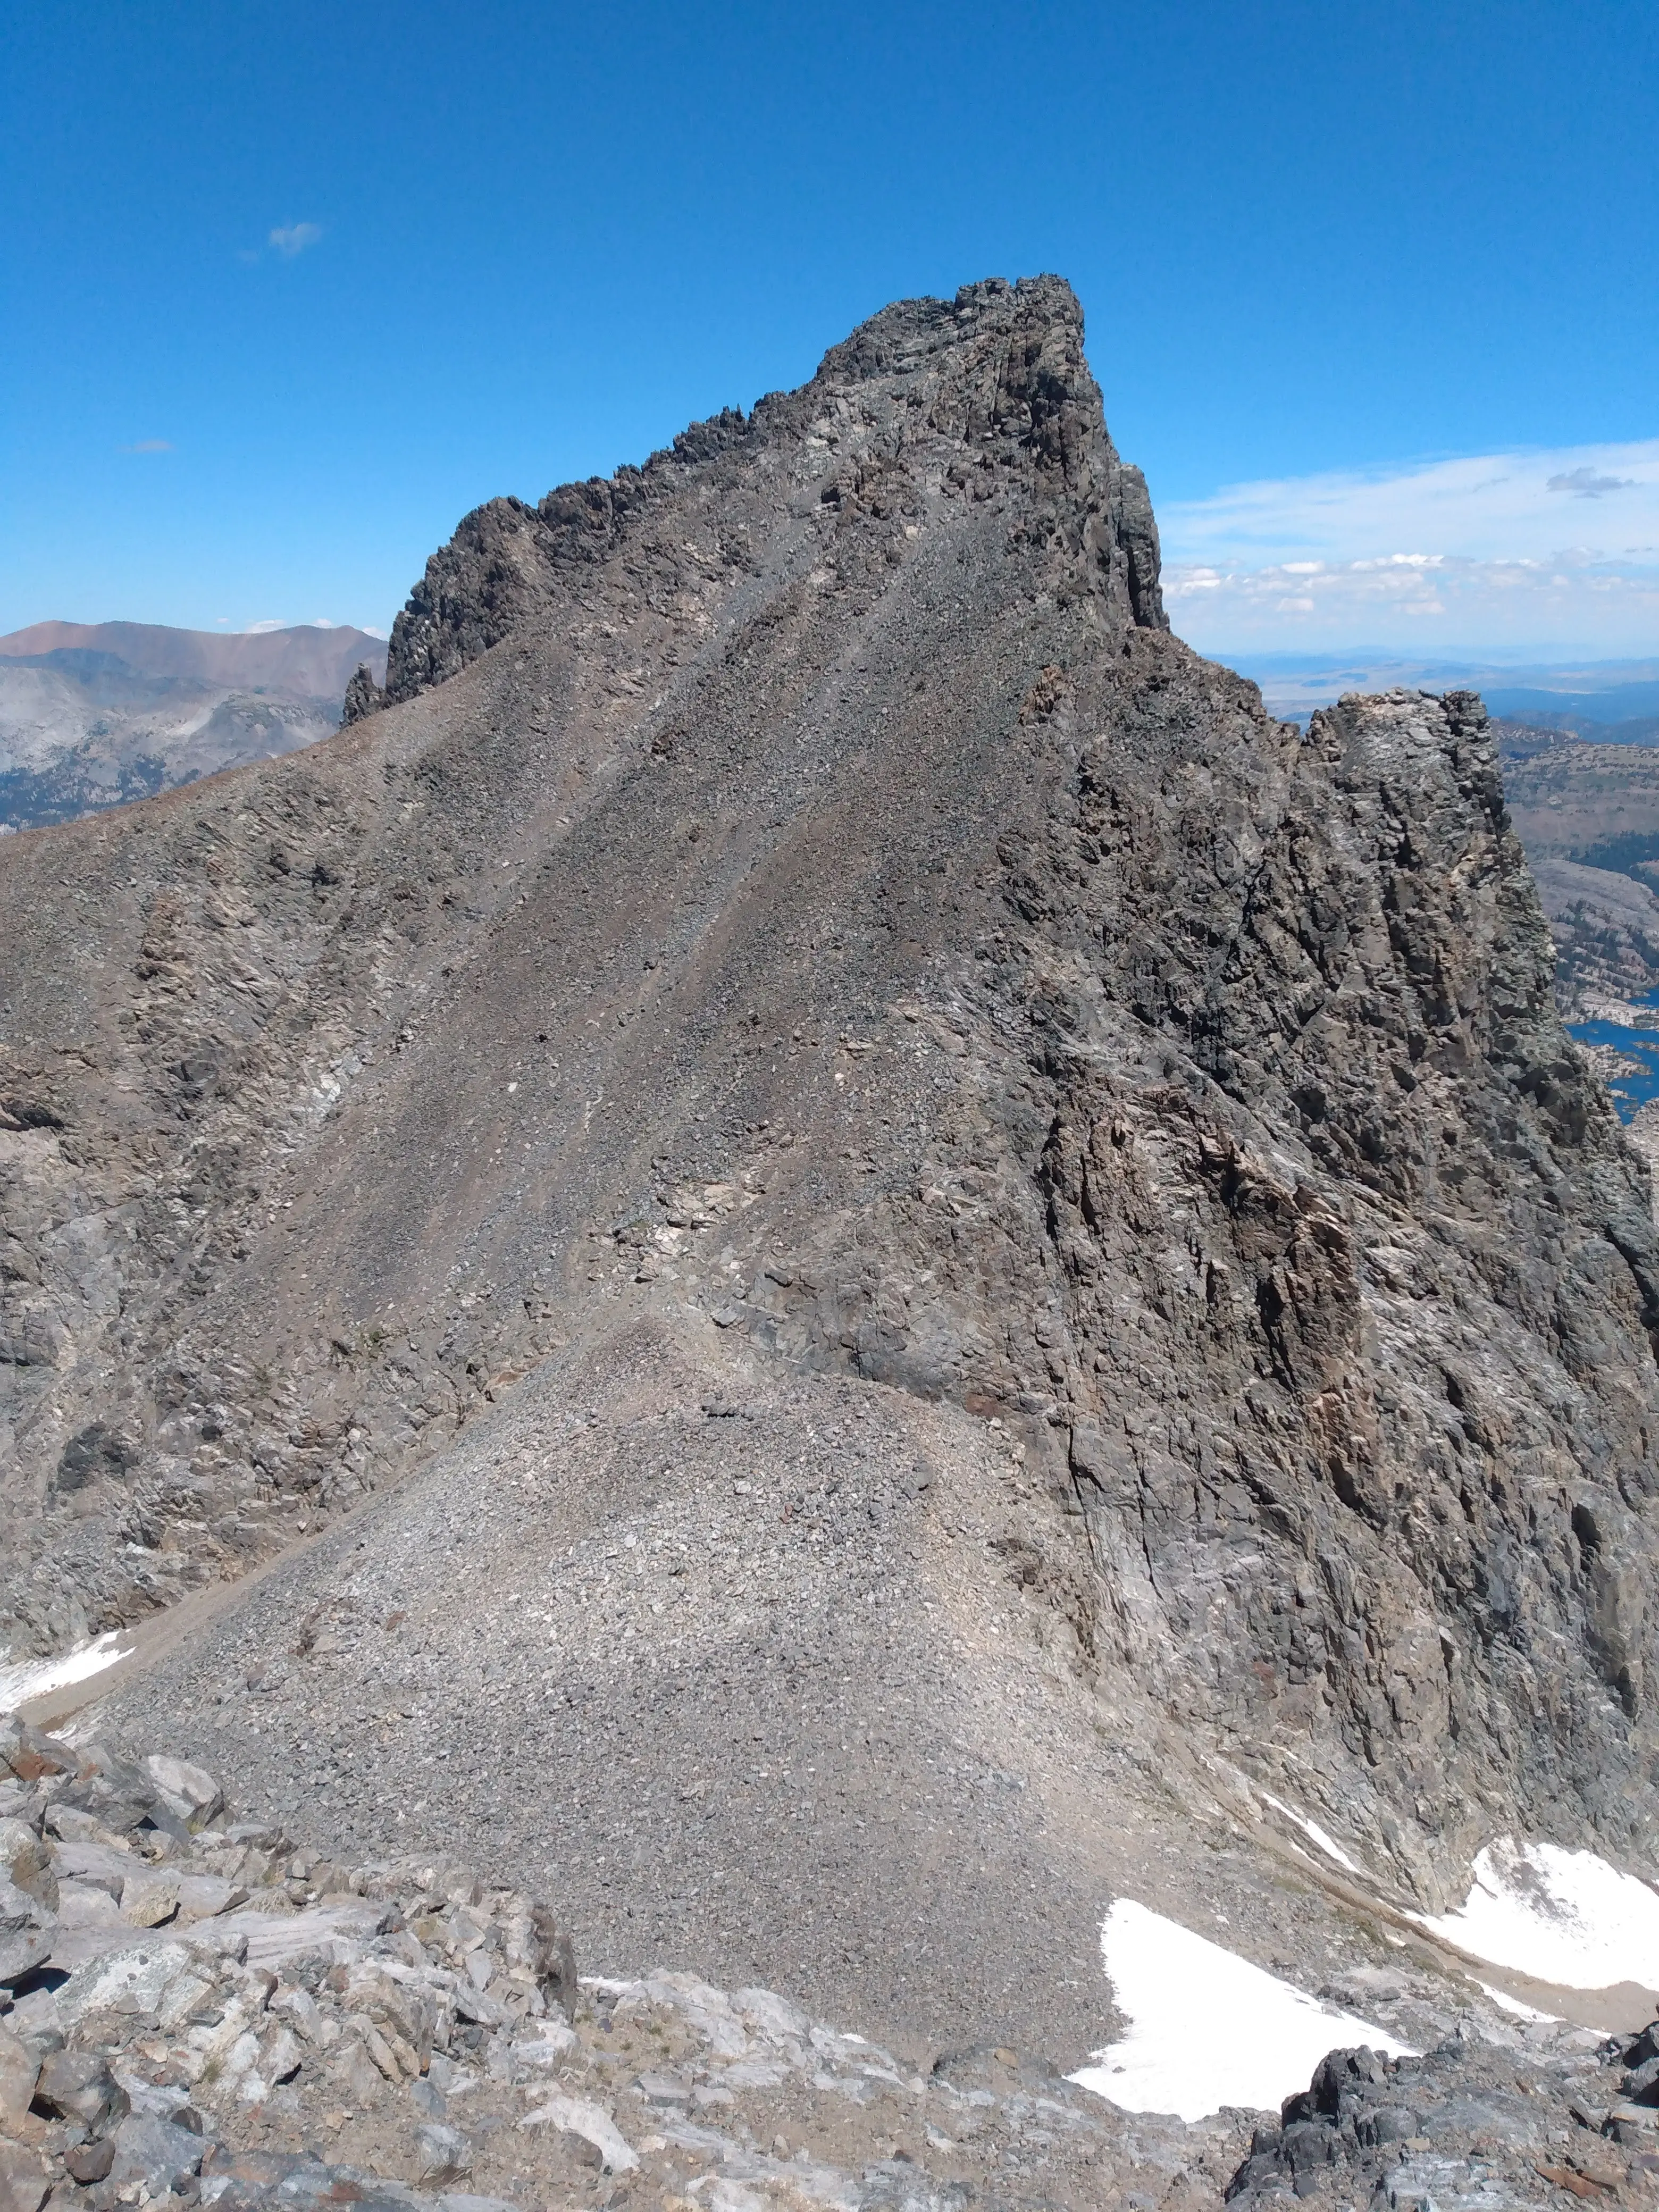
x,y
94,715
963,1251
196,2012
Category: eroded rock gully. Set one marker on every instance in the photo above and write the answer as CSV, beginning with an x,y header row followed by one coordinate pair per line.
x,y
796,909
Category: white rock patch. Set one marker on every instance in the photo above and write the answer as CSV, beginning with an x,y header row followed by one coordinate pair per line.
x,y
579,2116
1561,1916
1262,2038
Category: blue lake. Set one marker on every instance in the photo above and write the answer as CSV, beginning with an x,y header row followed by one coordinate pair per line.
x,y
1640,1047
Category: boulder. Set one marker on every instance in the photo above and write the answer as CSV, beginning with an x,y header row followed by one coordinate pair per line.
x,y
20,2070
79,2086
190,1792
442,2154
149,1897
156,2153
23,2180
26,1861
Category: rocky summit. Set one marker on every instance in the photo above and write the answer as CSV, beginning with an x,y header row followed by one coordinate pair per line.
x,y
818,1252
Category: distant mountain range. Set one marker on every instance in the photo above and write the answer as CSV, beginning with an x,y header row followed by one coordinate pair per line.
x,y
1588,814
94,714
1574,740
1616,702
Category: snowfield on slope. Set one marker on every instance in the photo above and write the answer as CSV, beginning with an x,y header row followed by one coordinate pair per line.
x,y
1262,2038
23,1678
1562,1916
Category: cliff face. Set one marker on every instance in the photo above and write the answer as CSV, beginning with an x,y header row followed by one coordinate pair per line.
x,y
1346,1241
800,910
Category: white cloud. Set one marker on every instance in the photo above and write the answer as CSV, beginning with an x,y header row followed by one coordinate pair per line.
x,y
150,446
316,622
295,238
1499,551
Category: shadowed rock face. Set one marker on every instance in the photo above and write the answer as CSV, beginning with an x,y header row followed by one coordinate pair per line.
x,y
802,910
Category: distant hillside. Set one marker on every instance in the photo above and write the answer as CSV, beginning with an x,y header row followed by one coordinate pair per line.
x,y
1588,817
94,713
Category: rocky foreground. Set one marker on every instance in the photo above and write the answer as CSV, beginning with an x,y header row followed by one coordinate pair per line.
x,y
197,2010
193,2012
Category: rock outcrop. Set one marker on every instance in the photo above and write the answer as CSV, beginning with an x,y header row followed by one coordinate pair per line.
x,y
1462,2126
801,934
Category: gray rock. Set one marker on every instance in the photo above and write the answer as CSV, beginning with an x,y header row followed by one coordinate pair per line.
x,y
117,1795
193,1794
149,1897
90,2162
157,2152
428,2097
22,1952
24,2180
19,2068
363,696
658,2088
19,1909
25,1860
442,2154
162,2100
78,2085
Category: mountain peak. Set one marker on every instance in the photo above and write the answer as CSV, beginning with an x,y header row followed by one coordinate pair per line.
x,y
990,389
870,1263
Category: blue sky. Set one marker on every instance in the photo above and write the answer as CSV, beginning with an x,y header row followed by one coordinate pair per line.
x,y
289,288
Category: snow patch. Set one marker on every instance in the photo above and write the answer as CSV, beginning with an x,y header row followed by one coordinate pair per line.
x,y
1328,1845
34,1678
1505,2002
1558,1916
1262,2038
